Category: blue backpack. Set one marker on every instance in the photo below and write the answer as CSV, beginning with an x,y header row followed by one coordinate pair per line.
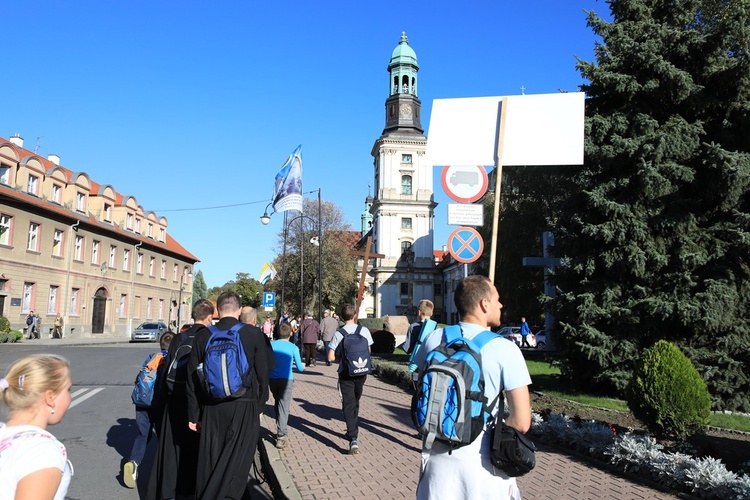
x,y
226,370
450,404
355,353
145,381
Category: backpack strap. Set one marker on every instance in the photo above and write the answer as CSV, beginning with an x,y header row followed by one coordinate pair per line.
x,y
480,341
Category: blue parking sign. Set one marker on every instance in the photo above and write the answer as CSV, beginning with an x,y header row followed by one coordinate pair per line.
x,y
269,299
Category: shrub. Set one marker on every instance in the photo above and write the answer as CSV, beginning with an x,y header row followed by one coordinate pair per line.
x,y
372,324
15,335
4,324
668,394
3,337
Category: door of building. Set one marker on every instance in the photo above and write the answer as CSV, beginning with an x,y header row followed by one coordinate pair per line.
x,y
98,311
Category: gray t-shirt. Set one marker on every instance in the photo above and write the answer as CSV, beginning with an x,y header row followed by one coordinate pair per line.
x,y
337,338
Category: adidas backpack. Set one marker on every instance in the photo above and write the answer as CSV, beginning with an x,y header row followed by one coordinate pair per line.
x,y
226,370
450,404
145,381
355,353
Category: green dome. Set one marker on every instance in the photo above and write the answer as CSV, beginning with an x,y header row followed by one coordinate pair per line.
x,y
403,54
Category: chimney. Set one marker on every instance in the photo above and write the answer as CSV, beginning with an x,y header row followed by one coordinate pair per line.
x,y
54,159
17,140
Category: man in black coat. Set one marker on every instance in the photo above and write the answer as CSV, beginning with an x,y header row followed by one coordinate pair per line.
x,y
173,474
229,428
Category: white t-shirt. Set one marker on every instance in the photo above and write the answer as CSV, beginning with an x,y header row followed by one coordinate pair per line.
x,y
467,471
25,449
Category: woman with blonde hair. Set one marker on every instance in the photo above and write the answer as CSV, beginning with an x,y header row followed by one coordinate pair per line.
x,y
33,464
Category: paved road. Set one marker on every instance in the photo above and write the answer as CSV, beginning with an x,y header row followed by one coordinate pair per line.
x,y
99,428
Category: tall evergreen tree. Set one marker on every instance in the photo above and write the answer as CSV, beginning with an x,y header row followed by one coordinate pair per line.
x,y
200,289
656,242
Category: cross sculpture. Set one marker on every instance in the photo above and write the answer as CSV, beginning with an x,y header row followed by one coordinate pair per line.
x,y
365,264
547,262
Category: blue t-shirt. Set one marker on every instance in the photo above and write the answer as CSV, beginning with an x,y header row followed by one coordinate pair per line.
x,y
285,352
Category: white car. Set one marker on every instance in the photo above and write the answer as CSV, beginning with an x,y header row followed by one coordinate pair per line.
x,y
513,333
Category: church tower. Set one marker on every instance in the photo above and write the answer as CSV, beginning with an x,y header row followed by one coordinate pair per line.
x,y
403,205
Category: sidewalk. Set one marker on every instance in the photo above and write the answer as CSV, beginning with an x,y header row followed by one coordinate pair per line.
x,y
316,464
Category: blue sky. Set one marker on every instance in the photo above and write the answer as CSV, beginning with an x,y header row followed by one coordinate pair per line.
x,y
187,105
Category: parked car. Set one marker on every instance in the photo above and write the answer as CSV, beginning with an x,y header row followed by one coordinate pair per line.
x,y
541,339
150,331
513,333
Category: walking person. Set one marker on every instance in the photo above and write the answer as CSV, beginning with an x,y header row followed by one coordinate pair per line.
x,y
350,385
37,326
33,463
328,327
229,428
282,380
310,332
30,320
525,332
173,473
448,472
58,331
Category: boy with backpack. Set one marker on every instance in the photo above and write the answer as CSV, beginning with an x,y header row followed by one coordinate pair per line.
x,y
351,344
227,388
282,379
173,474
461,467
146,401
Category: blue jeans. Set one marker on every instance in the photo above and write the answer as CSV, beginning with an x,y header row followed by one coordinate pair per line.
x,y
145,431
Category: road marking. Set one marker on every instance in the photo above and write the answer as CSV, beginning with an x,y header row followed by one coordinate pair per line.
x,y
84,398
79,391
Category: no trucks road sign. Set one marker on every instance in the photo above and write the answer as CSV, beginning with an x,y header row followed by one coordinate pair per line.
x,y
465,244
464,184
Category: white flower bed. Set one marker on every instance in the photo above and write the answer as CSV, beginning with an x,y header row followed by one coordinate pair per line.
x,y
703,477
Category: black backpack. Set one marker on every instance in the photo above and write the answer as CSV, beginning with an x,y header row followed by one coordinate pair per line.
x,y
355,353
176,379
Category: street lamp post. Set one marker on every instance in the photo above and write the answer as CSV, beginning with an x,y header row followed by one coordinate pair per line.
x,y
179,303
318,241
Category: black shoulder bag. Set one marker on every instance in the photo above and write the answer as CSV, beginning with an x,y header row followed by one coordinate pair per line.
x,y
511,451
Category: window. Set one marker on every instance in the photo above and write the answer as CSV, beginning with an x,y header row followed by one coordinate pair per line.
x,y
404,288
80,202
32,185
5,225
123,305
139,265
33,237
164,269
405,246
107,212
28,295
78,251
161,308
174,273
137,225
57,243
4,174
406,159
406,223
129,221
56,193
112,256
162,234
150,231
438,289
95,245
74,301
406,184
149,307
125,259
151,266
52,304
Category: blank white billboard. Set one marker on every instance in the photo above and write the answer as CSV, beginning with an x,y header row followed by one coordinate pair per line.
x,y
541,129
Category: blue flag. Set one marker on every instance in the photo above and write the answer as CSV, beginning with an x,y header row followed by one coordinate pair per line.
x,y
287,192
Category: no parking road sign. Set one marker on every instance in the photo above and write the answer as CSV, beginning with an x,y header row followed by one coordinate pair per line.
x,y
465,244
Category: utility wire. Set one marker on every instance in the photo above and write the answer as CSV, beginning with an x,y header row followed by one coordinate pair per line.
x,y
210,208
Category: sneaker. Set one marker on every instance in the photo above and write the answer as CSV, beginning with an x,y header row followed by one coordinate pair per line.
x,y
281,442
130,474
353,447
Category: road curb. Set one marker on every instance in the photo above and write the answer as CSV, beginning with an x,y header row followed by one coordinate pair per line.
x,y
275,471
